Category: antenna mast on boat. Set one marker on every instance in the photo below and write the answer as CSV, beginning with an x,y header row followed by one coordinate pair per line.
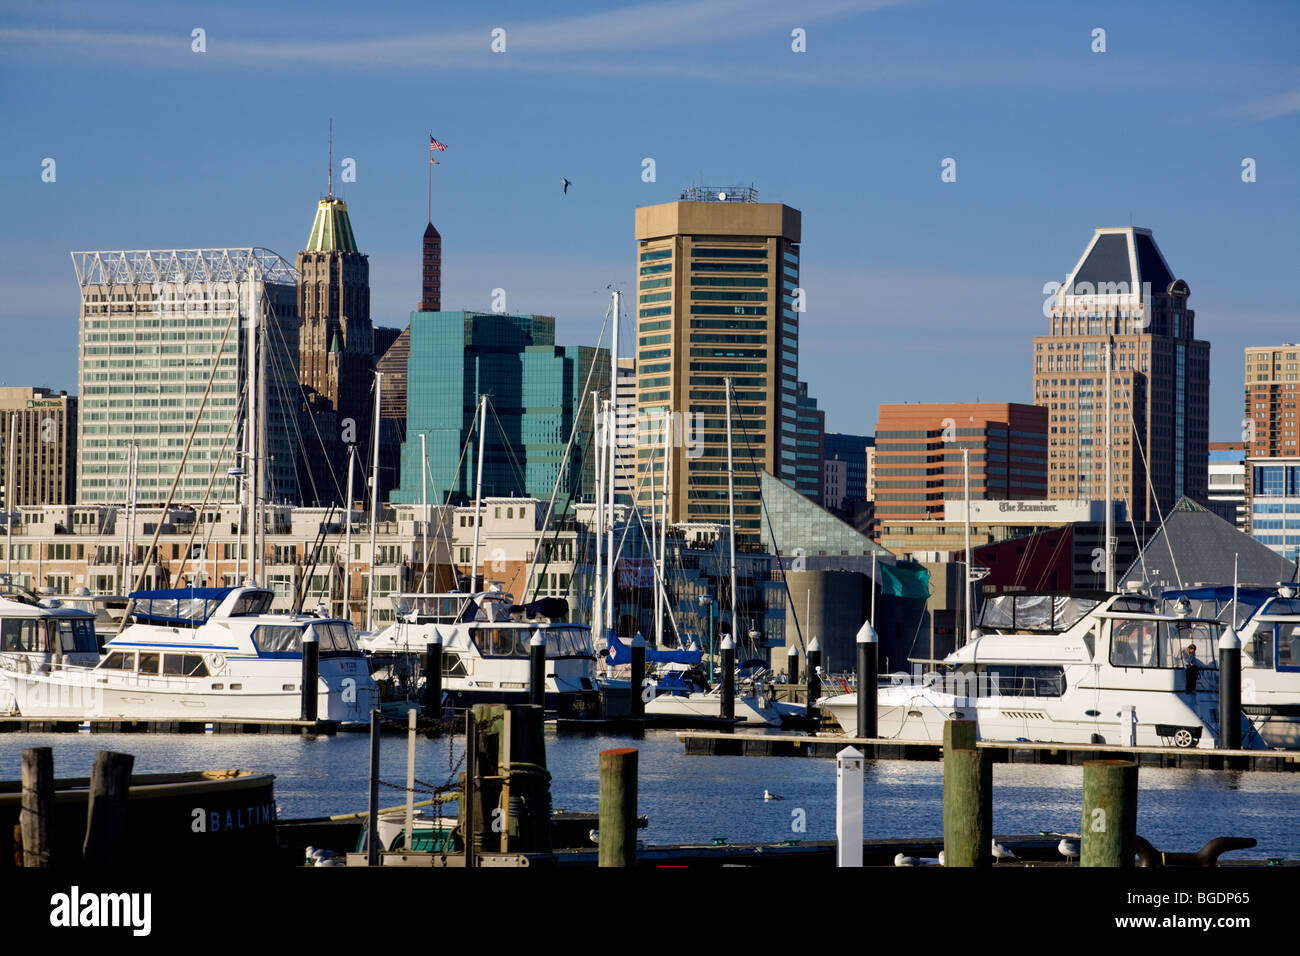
x,y
1110,498
661,593
374,510
731,513
424,513
478,492
611,438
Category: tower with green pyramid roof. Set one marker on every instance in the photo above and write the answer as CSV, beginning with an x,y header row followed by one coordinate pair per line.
x,y
336,351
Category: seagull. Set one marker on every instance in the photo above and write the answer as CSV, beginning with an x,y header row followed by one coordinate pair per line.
x,y
941,863
331,861
901,860
771,796
1000,852
593,836
566,185
1068,848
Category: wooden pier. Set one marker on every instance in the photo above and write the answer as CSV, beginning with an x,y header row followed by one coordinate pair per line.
x,y
828,745
29,725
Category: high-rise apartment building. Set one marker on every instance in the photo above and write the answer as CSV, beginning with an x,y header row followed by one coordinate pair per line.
x,y
918,455
153,323
336,351
717,298
44,446
854,451
810,446
625,418
1227,488
1271,421
1122,294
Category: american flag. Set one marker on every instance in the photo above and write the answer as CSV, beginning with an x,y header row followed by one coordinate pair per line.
x,y
434,144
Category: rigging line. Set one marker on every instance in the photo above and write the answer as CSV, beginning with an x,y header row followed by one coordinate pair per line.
x,y
212,476
289,410
442,511
577,422
505,440
1156,499
659,581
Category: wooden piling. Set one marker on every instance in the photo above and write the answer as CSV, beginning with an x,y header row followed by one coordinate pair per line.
x,y
617,834
528,803
967,802
110,786
372,814
1109,825
37,816
958,735
489,721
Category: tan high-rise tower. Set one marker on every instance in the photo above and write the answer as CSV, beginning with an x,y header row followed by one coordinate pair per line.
x,y
717,293
1122,294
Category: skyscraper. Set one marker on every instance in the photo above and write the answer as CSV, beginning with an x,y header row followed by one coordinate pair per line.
x,y
336,351
152,326
45,445
1122,293
717,294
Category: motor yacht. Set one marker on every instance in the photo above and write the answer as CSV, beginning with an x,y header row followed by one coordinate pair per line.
x,y
36,635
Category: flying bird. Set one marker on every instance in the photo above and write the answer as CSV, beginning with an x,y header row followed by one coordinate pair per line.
x,y
566,185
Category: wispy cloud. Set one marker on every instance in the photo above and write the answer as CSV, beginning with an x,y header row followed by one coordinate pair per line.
x,y
1268,108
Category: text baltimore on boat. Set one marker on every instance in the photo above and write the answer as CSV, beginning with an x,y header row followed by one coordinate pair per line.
x,y
1079,667
485,657
205,654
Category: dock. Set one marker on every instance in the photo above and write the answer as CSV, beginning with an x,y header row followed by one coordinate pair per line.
x,y
27,725
700,743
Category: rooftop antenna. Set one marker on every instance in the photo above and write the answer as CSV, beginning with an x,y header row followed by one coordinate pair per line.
x,y
330,194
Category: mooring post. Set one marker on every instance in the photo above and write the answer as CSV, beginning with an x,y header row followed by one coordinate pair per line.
x,y
110,786
433,678
868,677
635,689
1230,690
1109,827
728,679
468,795
1128,726
616,838
530,789
37,815
310,674
372,814
537,670
814,678
410,779
792,665
489,720
848,807
967,798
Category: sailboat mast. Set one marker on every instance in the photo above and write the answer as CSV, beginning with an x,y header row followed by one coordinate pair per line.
x,y
478,492
424,512
611,437
966,573
731,512
1110,496
250,422
347,536
598,595
663,524
374,510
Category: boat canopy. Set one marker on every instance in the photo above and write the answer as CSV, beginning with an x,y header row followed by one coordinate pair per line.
x,y
187,606
621,653
1049,613
1216,602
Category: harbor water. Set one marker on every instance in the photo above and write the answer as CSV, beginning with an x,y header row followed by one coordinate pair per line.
x,y
699,798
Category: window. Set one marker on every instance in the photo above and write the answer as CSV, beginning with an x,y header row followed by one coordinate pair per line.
x,y
118,661
183,665
21,635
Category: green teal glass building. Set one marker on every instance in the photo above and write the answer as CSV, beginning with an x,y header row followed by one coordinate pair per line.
x,y
534,390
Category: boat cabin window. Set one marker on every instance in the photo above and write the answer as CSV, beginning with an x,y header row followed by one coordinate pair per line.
x,y
252,603
1286,637
453,666
1050,613
1020,680
118,661
1160,643
76,635
149,662
22,634
335,636
278,639
501,641
569,642
184,665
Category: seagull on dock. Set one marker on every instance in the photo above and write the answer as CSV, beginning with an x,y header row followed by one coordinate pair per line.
x,y
1068,848
566,185
593,836
1000,852
767,795
941,863
902,860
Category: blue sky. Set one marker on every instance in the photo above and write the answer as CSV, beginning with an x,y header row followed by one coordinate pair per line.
x,y
917,290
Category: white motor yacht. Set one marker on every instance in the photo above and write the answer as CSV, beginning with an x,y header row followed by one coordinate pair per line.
x,y
205,654
1082,667
36,635
485,657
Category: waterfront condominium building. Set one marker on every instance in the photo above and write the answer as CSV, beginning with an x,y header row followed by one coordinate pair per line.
x,y
717,293
919,455
534,388
1273,505
1122,294
152,325
1270,426
44,446
1227,488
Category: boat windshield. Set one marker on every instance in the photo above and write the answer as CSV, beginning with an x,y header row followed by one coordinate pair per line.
x,y
1049,613
1270,637
1152,642
186,607
513,641
569,642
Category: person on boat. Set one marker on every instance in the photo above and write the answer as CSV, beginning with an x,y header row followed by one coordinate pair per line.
x,y
1188,660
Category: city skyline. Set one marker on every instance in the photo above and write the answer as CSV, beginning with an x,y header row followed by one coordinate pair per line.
x,y
897,259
